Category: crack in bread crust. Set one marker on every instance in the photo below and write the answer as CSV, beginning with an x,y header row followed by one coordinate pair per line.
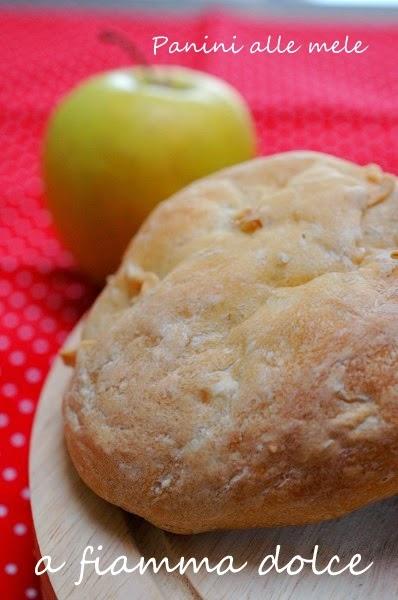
x,y
244,370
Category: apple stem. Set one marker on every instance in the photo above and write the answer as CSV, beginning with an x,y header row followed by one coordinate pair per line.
x,y
110,36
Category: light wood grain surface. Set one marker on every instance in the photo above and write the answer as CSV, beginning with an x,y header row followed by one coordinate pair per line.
x,y
68,517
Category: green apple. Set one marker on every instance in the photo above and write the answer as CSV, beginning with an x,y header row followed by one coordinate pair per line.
x,y
124,140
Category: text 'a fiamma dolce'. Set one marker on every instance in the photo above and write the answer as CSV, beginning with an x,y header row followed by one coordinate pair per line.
x,y
91,562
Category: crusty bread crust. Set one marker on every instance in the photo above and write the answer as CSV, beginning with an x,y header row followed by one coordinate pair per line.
x,y
241,367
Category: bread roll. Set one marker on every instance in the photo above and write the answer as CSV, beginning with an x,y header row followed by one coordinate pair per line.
x,y
241,367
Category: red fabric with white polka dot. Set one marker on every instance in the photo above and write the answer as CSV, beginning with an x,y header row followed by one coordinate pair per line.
x,y
347,105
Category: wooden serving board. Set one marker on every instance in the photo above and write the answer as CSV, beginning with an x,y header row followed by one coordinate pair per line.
x,y
68,517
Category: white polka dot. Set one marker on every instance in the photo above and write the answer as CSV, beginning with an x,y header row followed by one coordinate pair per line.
x,y
48,325
33,312
25,332
18,440
40,346
25,494
42,218
9,390
5,287
31,593
4,420
9,264
9,474
17,300
44,266
11,569
50,250
10,320
4,342
26,407
20,529
24,278
5,234
3,511
33,375
17,358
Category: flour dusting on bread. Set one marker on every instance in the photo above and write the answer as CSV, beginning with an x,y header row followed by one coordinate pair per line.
x,y
242,364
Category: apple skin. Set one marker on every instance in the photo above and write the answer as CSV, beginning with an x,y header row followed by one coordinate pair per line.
x,y
124,140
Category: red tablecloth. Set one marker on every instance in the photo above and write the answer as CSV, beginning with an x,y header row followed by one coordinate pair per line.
x,y
343,104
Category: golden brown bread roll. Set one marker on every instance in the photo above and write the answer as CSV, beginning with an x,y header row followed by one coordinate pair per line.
x,y
241,367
